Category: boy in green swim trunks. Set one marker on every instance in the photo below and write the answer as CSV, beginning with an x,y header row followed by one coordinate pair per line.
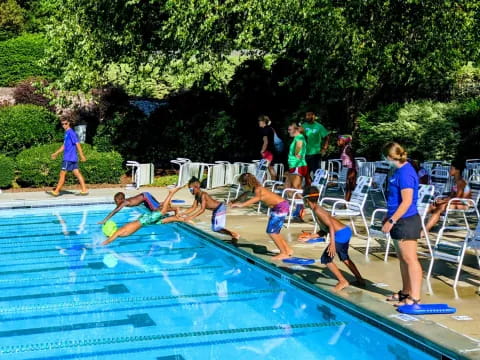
x,y
154,217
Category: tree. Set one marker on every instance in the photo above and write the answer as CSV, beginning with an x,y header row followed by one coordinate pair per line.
x,y
11,19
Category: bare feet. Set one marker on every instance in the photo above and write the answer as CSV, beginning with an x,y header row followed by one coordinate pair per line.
x,y
235,238
281,256
341,285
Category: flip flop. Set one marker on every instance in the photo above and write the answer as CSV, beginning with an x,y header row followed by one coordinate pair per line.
x,y
398,296
52,193
81,193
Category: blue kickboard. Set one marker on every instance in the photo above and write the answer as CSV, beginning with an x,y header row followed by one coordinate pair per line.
x,y
299,261
315,240
177,201
426,309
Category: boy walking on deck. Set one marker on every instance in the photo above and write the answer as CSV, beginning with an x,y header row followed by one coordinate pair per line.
x,y
70,159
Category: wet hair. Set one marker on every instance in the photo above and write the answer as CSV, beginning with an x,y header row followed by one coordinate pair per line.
x,y
193,180
265,119
311,192
119,196
458,164
249,180
395,151
347,138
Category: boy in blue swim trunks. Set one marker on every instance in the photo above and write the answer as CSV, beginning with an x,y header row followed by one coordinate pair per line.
x,y
278,212
155,217
203,202
70,146
340,235
144,198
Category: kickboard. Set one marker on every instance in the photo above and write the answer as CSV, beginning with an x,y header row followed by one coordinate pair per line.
x,y
426,309
315,240
177,201
299,261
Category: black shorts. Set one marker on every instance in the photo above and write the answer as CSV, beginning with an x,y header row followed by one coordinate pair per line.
x,y
408,228
314,162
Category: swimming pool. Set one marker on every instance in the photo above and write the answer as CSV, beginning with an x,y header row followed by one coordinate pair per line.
x,y
165,293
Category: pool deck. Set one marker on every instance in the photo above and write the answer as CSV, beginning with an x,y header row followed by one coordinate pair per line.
x,y
461,335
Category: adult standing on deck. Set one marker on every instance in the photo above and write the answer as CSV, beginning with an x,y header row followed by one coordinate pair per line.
x,y
403,223
268,143
317,143
296,157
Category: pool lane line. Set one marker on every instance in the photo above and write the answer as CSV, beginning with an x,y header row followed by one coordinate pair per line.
x,y
68,344
133,308
52,250
108,289
122,300
97,256
16,287
135,320
165,270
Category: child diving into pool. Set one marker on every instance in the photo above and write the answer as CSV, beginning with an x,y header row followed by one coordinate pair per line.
x,y
204,201
278,213
144,198
340,235
154,217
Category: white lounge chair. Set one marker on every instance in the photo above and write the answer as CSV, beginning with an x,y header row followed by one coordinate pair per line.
x,y
260,174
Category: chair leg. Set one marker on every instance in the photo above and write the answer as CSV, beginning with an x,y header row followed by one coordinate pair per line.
x,y
365,223
290,213
353,226
429,273
368,247
387,250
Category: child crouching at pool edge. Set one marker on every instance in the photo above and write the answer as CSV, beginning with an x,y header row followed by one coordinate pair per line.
x,y
340,235
279,211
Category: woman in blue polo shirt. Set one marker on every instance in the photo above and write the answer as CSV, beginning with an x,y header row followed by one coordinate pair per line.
x,y
403,223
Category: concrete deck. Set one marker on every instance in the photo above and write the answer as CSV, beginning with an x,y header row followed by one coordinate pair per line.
x,y
461,334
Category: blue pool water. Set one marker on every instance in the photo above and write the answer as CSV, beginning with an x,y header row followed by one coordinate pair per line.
x,y
163,293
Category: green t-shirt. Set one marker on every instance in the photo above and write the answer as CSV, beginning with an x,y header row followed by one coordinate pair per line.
x,y
293,161
316,134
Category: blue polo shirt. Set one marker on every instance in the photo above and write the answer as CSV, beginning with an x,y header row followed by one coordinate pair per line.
x,y
69,143
403,178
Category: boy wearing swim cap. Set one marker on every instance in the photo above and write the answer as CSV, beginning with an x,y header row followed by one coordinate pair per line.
x,y
154,217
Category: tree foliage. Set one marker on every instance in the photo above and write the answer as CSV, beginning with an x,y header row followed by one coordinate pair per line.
x,y
12,19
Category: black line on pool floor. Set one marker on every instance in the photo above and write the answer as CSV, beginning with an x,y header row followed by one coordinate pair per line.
x,y
110,289
137,320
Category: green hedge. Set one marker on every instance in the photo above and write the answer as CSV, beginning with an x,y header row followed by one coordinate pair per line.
x,y
7,171
36,168
23,126
435,129
19,59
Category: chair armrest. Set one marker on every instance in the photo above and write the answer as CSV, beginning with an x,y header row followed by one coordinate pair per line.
x,y
375,212
272,183
294,191
329,199
463,200
348,205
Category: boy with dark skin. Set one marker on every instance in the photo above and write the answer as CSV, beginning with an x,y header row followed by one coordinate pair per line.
x,y
144,198
154,217
340,235
203,202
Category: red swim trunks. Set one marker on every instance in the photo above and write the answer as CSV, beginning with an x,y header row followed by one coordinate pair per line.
x,y
301,171
267,155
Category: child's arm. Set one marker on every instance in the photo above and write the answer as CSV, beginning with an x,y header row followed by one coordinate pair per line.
x,y
201,210
298,149
80,152
55,154
242,197
113,212
256,198
191,208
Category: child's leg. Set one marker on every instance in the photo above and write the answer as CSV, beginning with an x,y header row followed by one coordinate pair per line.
x,y
81,180
435,216
125,230
166,203
285,250
354,270
61,181
342,282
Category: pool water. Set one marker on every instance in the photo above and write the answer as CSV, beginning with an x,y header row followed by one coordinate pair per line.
x,y
163,293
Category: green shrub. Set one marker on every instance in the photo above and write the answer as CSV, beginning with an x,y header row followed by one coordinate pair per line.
x,y
428,127
19,59
36,168
23,126
165,180
7,171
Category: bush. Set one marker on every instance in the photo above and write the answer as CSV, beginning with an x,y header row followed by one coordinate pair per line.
x,y
23,126
28,92
427,127
7,171
165,180
19,59
36,168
